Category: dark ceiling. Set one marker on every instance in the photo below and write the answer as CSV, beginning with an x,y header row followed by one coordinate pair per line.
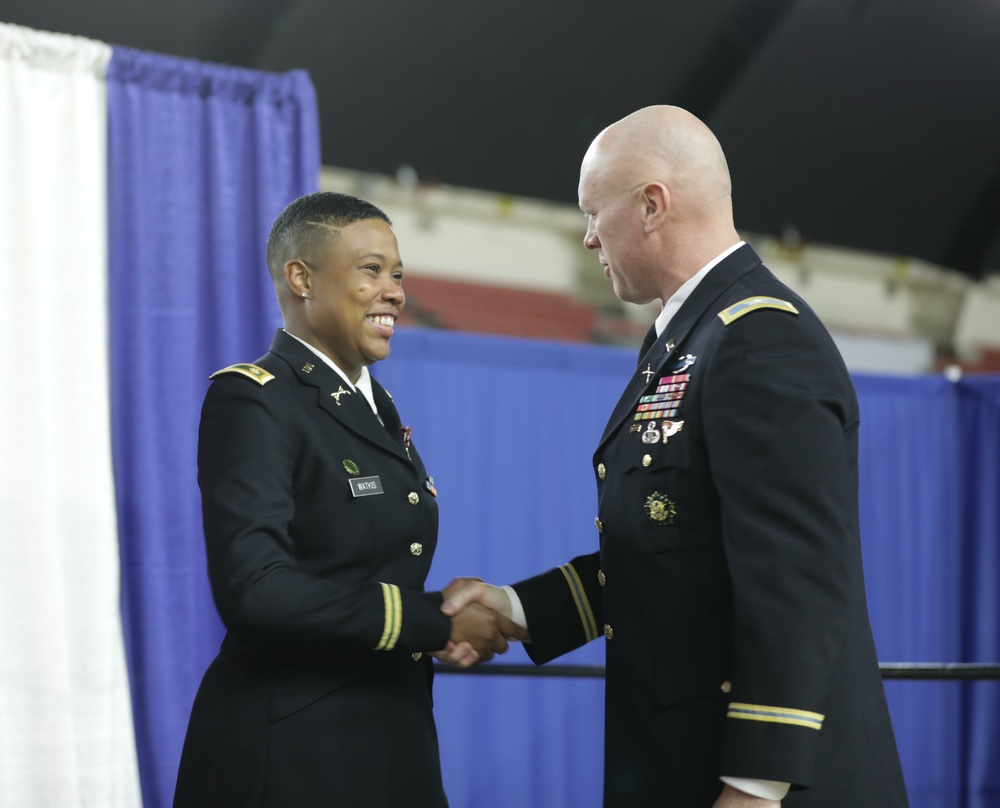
x,y
872,124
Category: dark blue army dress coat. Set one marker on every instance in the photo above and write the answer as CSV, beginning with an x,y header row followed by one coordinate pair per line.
x,y
728,583
320,526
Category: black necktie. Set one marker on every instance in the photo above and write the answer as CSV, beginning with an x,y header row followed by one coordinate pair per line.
x,y
390,416
647,343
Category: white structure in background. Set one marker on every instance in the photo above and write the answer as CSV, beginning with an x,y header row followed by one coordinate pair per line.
x,y
887,314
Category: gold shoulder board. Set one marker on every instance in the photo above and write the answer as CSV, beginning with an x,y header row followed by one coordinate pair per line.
x,y
750,304
258,374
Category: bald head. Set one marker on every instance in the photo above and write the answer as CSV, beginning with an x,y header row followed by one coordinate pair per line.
x,y
656,190
665,144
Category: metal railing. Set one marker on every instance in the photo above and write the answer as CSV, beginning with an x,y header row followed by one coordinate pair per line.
x,y
889,670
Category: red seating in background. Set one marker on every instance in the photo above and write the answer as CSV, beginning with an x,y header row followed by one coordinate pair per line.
x,y
489,309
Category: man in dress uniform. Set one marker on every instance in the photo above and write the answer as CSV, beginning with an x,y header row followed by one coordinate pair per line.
x,y
320,525
727,583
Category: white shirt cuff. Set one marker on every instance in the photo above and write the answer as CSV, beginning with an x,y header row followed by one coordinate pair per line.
x,y
516,609
765,789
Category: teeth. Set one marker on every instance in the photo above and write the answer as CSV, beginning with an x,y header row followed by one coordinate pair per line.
x,y
384,320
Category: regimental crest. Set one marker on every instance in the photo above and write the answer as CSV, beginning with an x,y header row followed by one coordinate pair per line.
x,y
660,509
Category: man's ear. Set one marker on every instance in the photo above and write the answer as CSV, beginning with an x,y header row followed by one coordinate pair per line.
x,y
655,200
298,278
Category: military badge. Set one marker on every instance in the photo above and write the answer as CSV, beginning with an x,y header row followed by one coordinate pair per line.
x,y
670,428
351,468
651,435
683,363
660,509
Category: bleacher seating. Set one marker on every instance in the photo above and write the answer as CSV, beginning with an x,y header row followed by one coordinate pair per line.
x,y
489,309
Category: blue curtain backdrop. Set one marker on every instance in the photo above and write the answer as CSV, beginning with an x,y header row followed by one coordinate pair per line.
x,y
508,428
979,413
202,158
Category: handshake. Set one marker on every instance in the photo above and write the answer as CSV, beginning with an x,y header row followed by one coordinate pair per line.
x,y
480,622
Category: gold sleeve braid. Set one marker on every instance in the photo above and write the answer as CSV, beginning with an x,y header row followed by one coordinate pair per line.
x,y
580,599
393,617
775,715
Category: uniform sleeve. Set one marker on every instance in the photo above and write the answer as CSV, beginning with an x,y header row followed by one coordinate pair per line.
x,y
562,607
246,457
781,437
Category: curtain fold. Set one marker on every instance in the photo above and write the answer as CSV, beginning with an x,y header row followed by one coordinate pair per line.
x,y
979,482
202,158
909,457
64,704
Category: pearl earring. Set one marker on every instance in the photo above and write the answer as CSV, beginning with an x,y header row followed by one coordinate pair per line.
x,y
305,295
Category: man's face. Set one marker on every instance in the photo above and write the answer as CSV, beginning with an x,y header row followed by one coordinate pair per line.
x,y
357,295
614,229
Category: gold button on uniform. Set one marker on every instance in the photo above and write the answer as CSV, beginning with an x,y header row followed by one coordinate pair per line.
x,y
602,579
602,471
417,656
413,498
726,687
647,460
609,633
599,523
416,548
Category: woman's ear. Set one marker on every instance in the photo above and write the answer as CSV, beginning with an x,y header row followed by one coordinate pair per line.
x,y
298,278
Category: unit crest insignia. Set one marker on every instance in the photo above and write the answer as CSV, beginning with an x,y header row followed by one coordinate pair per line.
x,y
660,508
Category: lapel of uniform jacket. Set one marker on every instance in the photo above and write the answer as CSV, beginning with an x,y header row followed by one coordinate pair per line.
x,y
334,397
663,350
390,416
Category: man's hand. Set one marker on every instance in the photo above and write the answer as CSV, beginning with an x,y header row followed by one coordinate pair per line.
x,y
458,655
734,798
482,628
463,591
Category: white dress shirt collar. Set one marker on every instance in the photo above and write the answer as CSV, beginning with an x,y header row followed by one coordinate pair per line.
x,y
671,307
364,382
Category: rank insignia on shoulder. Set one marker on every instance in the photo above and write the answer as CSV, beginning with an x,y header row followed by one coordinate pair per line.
x,y
258,374
750,304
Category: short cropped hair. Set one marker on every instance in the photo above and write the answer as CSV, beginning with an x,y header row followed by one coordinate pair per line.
x,y
312,221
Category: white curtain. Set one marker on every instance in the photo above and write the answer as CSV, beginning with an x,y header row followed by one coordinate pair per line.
x,y
66,734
